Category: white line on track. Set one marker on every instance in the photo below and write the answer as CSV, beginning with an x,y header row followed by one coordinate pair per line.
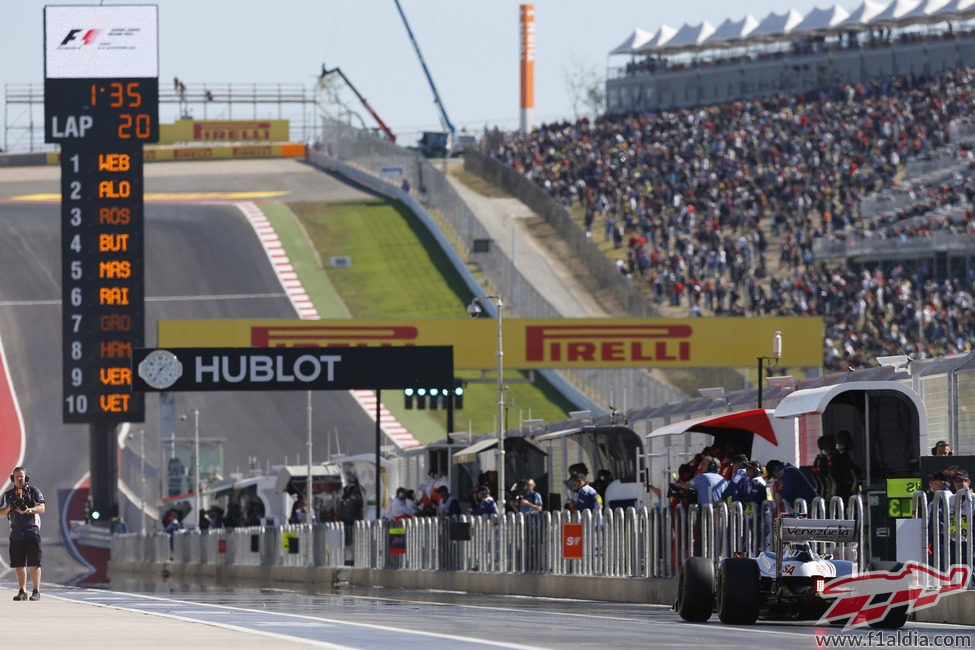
x,y
301,619
186,619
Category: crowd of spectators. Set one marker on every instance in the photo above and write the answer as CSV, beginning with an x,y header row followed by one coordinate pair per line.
x,y
698,201
927,209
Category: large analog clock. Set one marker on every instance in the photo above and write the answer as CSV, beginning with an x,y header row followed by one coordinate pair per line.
x,y
160,369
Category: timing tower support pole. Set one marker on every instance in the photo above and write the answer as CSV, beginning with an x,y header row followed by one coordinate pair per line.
x,y
379,473
103,464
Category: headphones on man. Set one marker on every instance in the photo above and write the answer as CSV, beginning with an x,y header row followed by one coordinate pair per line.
x,y
934,450
26,474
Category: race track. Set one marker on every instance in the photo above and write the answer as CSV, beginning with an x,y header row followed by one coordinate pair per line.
x,y
203,260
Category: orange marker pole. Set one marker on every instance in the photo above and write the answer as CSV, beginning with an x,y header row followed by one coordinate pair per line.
x,y
527,22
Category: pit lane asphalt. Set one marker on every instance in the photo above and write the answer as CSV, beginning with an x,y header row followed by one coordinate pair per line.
x,y
135,614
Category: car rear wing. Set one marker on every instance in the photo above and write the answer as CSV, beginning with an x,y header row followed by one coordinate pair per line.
x,y
793,529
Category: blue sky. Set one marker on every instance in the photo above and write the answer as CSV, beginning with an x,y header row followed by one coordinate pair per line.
x,y
471,47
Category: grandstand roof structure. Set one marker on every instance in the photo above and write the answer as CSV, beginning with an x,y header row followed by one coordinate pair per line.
x,y
791,24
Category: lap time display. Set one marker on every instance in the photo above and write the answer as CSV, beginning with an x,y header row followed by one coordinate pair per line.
x,y
101,125
101,109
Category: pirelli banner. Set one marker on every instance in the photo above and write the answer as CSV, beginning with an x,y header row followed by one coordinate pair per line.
x,y
224,131
532,343
215,151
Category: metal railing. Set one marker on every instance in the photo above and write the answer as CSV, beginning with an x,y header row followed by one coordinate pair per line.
x,y
320,545
945,527
911,248
641,543
615,543
621,543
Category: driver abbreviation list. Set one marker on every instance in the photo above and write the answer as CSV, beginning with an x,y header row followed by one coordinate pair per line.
x,y
102,241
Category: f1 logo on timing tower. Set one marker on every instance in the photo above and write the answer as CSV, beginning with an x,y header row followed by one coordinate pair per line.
x,y
89,36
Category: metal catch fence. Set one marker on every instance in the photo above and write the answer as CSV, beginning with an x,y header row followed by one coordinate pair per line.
x,y
630,542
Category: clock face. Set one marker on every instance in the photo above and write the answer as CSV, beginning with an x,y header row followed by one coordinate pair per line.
x,y
160,369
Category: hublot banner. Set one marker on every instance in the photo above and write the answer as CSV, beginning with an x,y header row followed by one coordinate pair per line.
x,y
260,369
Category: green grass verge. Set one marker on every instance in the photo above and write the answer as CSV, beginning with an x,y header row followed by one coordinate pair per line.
x,y
305,260
397,270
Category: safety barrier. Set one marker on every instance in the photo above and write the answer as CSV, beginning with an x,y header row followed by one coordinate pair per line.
x,y
293,545
629,542
617,543
945,526
153,547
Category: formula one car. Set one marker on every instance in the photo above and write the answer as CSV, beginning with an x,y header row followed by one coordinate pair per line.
x,y
785,585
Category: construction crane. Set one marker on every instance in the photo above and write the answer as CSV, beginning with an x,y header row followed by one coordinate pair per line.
x,y
382,125
432,144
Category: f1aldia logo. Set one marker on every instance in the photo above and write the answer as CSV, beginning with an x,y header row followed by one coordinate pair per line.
x,y
88,37
868,598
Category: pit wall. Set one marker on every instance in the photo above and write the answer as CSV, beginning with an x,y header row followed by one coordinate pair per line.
x,y
957,609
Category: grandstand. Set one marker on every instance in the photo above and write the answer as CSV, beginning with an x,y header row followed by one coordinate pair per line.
x,y
844,195
699,64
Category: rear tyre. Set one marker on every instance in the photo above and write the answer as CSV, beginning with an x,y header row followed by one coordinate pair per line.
x,y
695,589
897,616
739,591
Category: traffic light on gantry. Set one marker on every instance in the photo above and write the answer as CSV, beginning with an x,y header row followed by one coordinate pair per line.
x,y
458,395
408,394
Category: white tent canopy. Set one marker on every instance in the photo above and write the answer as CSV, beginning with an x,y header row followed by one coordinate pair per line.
x,y
924,12
690,35
660,38
821,19
863,15
777,24
895,11
636,40
834,19
735,30
958,9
